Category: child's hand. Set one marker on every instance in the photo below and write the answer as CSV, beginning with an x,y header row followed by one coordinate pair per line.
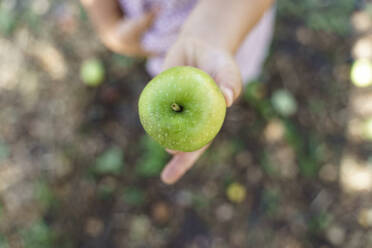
x,y
119,34
222,67
219,26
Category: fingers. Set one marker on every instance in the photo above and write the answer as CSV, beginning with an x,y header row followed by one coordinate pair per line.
x,y
175,56
134,27
118,33
218,63
125,36
225,71
180,164
172,152
229,80
104,14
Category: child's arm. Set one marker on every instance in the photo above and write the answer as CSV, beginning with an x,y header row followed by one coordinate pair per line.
x,y
118,33
223,23
208,40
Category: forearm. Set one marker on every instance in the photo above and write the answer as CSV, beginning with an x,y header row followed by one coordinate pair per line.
x,y
224,23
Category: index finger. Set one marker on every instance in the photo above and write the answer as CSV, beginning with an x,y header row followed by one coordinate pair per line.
x,y
180,164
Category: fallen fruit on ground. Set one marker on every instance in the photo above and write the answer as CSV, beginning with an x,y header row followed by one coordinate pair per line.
x,y
92,72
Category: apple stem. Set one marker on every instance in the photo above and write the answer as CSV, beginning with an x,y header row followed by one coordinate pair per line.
x,y
176,107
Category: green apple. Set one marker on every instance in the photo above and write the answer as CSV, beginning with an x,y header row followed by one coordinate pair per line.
x,y
182,108
92,72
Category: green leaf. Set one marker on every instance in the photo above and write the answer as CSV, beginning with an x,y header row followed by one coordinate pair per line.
x,y
110,162
3,242
328,16
123,61
284,103
254,91
106,188
1,211
7,21
4,151
270,202
319,222
199,201
308,166
134,196
293,137
44,194
267,164
38,235
153,159
265,109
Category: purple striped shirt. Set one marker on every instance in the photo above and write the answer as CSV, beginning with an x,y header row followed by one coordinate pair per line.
x,y
170,17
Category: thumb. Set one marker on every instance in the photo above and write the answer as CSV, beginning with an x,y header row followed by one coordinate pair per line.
x,y
227,75
221,65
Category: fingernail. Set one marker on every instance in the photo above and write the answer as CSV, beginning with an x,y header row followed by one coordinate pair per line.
x,y
165,177
172,152
229,95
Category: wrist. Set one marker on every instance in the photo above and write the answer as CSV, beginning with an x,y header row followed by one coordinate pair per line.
x,y
210,40
192,41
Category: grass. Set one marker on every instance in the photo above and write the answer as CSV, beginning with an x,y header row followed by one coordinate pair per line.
x,y
4,151
38,235
134,196
153,158
330,16
110,161
44,194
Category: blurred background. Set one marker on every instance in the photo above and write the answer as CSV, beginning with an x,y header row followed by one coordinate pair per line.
x,y
292,166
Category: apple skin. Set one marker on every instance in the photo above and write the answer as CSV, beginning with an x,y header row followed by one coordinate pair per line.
x,y
182,108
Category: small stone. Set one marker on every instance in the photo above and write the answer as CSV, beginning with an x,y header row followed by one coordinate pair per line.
x,y
161,212
328,173
238,238
284,102
304,36
210,190
336,235
9,176
139,227
244,158
274,131
110,95
94,226
365,217
369,239
184,198
322,201
361,21
225,212
355,175
284,157
363,48
254,175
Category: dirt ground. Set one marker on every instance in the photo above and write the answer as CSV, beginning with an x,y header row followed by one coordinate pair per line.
x,y
291,167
